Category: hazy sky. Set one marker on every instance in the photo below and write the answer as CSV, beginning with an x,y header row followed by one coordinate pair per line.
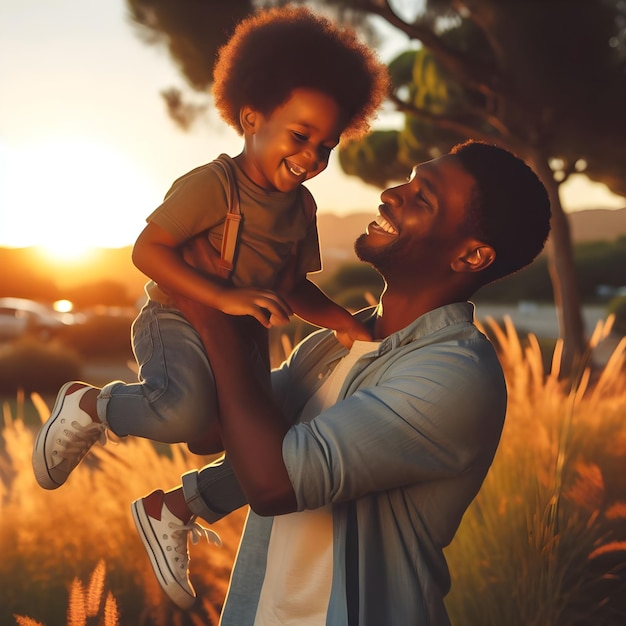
x,y
86,147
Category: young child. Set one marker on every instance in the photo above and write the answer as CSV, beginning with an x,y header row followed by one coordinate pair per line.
x,y
292,84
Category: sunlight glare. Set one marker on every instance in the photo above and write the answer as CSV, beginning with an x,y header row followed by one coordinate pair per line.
x,y
70,195
63,306
66,250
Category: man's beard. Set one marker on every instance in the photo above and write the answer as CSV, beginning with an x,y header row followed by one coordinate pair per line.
x,y
378,257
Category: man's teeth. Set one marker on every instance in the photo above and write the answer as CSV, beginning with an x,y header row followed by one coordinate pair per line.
x,y
385,225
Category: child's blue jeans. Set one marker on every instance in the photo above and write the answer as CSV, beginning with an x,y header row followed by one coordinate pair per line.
x,y
174,399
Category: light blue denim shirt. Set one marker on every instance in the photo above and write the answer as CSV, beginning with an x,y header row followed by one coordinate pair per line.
x,y
400,457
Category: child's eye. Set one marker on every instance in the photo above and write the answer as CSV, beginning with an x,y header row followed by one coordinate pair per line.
x,y
299,136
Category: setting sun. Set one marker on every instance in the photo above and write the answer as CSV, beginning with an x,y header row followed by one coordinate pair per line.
x,y
70,195
70,250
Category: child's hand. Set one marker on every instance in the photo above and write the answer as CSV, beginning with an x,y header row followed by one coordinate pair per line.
x,y
356,331
266,306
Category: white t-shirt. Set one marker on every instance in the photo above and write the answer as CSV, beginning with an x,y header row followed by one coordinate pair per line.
x,y
296,587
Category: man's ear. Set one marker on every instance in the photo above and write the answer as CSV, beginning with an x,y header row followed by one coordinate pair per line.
x,y
474,258
248,118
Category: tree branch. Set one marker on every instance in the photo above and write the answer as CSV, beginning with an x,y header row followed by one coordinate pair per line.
x,y
471,74
500,135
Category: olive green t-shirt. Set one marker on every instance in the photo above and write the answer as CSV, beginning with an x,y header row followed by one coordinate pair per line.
x,y
274,231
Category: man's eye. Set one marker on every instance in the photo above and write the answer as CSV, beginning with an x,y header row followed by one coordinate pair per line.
x,y
421,200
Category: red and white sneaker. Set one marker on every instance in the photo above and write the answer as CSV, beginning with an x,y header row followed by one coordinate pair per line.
x,y
165,538
65,438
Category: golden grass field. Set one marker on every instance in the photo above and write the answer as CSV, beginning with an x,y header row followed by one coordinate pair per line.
x,y
544,544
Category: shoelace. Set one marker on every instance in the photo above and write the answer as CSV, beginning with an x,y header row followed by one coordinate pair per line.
x,y
82,439
197,531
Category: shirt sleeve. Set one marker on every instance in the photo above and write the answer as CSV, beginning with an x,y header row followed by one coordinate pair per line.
x,y
195,203
432,415
308,258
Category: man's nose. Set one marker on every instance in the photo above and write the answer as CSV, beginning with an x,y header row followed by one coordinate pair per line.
x,y
391,196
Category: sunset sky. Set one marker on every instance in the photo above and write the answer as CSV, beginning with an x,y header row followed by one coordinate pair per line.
x,y
86,147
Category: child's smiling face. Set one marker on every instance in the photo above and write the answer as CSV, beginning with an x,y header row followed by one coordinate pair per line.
x,y
293,143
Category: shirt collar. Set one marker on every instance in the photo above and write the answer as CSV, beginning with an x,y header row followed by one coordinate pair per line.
x,y
423,326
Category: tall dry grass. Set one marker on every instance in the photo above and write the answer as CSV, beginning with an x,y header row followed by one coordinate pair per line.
x,y
544,543
50,539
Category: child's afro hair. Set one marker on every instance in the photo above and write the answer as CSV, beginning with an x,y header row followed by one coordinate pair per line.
x,y
277,50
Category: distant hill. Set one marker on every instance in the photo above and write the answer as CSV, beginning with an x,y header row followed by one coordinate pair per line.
x,y
598,225
26,267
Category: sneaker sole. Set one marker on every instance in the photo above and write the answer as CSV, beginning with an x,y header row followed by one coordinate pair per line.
x,y
161,568
40,465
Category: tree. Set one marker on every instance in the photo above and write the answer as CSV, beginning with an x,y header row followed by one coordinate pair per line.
x,y
546,79
192,31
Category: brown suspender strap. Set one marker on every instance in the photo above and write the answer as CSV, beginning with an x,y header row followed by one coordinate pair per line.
x,y
233,220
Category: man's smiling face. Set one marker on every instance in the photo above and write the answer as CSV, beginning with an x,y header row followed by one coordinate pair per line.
x,y
419,225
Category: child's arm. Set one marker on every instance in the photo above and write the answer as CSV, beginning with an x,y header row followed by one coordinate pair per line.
x,y
310,303
156,254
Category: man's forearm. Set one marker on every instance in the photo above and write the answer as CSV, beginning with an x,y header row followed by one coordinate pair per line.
x,y
251,425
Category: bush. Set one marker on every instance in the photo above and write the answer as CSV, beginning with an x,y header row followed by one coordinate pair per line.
x,y
101,336
34,366
353,276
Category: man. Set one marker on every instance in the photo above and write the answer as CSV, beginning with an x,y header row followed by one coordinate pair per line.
x,y
359,469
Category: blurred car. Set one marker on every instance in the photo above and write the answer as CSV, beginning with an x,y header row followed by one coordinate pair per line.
x,y
20,316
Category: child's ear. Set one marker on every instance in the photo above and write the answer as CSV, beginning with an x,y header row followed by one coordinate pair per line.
x,y
248,119
475,258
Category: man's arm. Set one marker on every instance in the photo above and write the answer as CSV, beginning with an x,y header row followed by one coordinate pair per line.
x,y
251,425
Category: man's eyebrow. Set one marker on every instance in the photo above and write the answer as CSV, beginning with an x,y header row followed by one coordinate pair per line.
x,y
426,186
430,189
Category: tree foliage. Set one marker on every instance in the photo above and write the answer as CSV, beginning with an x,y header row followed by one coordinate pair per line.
x,y
192,31
547,78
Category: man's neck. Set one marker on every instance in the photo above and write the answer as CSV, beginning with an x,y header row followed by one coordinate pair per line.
x,y
399,309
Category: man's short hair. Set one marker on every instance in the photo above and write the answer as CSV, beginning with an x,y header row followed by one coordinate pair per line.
x,y
510,209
